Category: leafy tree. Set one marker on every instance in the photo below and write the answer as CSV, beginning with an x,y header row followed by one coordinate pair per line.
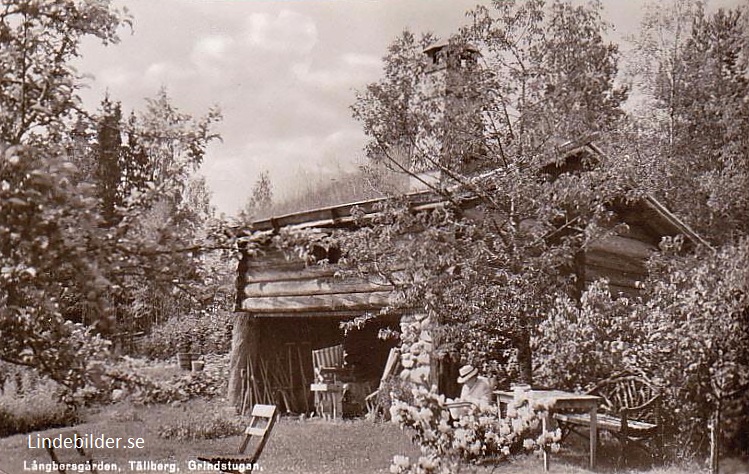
x,y
550,71
49,223
108,165
47,232
38,41
162,210
692,67
89,244
385,107
486,281
260,201
689,334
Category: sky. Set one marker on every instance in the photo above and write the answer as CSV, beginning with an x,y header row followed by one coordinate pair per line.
x,y
283,72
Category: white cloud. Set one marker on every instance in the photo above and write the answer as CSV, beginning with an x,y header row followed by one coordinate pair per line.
x,y
349,70
114,77
287,32
214,47
165,73
362,60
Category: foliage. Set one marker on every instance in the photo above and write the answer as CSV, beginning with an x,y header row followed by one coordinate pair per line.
x,y
145,382
692,67
79,252
204,333
260,200
39,39
49,244
690,336
31,403
157,212
583,342
699,306
554,73
205,426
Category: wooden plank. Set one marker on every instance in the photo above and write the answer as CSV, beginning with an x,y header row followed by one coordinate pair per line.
x,y
627,280
321,303
624,246
272,258
335,314
615,261
641,233
281,274
314,286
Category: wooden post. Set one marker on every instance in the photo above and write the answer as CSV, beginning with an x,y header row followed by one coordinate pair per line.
x,y
243,348
545,422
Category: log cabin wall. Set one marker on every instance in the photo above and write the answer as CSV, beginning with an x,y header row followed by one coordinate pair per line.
x,y
274,285
621,259
289,309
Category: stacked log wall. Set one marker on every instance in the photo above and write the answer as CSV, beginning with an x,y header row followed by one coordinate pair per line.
x,y
621,259
274,285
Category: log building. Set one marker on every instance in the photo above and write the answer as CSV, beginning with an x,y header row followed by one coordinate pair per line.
x,y
287,308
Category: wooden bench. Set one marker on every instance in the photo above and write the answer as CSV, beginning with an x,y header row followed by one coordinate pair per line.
x,y
261,425
630,411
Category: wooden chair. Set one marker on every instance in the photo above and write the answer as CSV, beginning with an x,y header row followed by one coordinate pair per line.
x,y
328,364
391,366
630,412
80,456
261,424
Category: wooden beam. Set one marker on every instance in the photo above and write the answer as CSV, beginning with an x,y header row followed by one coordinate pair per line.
x,y
271,274
624,246
314,286
624,279
318,303
615,261
339,314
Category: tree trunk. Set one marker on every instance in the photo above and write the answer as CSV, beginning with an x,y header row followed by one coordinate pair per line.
x,y
715,441
525,357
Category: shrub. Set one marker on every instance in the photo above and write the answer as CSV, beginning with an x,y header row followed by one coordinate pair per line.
x,y
689,335
206,332
30,403
141,382
201,426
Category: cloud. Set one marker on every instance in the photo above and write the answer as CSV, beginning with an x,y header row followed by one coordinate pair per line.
x,y
286,32
362,60
349,70
213,58
212,47
165,73
114,77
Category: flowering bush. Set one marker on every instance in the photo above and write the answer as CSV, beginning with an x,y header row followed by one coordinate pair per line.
x,y
477,433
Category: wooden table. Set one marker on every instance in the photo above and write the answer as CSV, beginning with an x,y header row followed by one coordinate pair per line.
x,y
560,400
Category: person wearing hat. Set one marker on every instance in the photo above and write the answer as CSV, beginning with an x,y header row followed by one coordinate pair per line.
x,y
476,390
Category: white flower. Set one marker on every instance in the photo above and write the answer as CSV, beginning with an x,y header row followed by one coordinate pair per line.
x,y
401,461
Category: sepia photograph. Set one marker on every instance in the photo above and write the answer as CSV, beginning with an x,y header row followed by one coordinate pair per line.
x,y
374,236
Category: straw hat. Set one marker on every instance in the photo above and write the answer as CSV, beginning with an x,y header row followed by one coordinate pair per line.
x,y
467,372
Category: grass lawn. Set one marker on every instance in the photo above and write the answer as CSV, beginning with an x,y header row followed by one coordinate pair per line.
x,y
302,446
